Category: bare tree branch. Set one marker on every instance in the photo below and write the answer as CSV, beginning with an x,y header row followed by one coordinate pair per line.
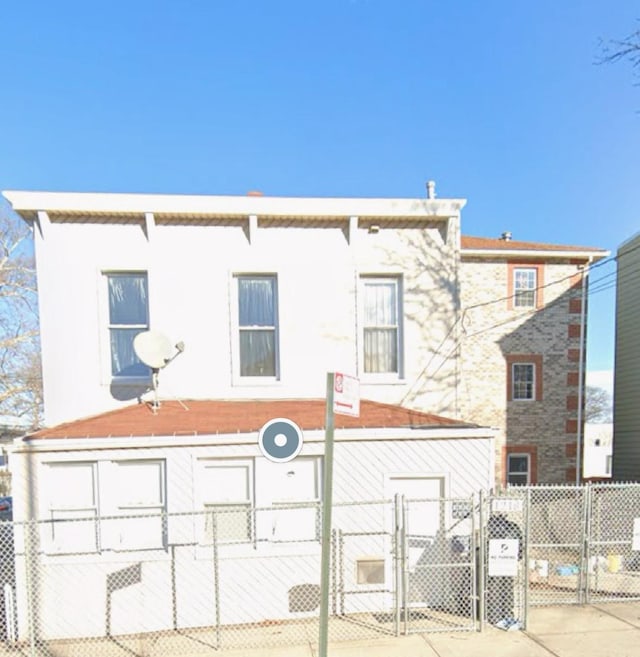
x,y
20,370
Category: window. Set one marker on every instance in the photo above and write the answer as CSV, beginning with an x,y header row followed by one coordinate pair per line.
x,y
381,325
140,493
524,377
226,491
370,571
258,326
72,498
128,316
523,381
524,287
518,471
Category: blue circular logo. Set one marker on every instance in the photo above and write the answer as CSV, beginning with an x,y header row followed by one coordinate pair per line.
x,y
280,440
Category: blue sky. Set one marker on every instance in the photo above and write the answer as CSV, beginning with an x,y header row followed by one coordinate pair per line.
x,y
499,101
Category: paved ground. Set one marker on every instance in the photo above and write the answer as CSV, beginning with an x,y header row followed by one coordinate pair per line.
x,y
607,630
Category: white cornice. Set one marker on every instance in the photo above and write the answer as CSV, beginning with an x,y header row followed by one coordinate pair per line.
x,y
27,203
595,254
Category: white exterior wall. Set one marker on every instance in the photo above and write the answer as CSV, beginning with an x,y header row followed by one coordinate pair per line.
x,y
179,582
190,277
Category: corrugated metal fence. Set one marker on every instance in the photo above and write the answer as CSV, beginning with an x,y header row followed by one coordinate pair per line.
x,y
252,577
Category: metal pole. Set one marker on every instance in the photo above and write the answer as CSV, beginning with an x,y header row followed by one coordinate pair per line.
x,y
481,556
525,538
216,574
397,561
583,345
327,502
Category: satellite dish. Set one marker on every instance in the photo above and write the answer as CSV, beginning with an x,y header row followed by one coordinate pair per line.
x,y
153,349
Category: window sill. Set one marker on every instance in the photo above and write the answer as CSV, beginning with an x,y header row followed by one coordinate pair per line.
x,y
382,380
251,381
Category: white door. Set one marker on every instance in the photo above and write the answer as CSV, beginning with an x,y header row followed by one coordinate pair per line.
x,y
424,519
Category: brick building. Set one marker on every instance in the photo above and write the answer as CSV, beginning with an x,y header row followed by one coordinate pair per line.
x,y
522,355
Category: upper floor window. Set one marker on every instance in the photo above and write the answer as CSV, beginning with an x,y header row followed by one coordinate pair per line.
x,y
381,325
128,316
524,377
525,284
523,380
258,325
524,287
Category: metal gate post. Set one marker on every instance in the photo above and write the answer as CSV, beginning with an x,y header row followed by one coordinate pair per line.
x,y
525,538
216,575
405,564
585,592
397,561
481,557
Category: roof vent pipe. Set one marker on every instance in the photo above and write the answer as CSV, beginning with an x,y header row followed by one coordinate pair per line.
x,y
431,188
506,236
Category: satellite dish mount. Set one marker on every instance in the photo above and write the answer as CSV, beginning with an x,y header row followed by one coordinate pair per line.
x,y
155,350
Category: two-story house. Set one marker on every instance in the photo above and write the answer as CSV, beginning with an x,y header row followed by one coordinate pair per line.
x,y
466,351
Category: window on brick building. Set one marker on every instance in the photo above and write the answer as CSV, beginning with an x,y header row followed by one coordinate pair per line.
x,y
525,282
524,377
518,469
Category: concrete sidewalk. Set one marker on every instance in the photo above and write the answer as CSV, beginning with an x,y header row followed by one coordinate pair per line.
x,y
604,630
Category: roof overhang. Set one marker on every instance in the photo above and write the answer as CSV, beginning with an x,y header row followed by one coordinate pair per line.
x,y
538,254
27,204
42,445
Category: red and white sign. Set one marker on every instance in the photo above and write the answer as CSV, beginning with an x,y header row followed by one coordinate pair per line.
x,y
346,394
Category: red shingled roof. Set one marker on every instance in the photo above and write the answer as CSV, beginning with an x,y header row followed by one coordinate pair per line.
x,y
468,242
237,416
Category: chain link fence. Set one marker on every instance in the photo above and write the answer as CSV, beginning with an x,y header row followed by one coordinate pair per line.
x,y
235,576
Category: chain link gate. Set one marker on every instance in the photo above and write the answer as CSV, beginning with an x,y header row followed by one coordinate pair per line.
x,y
612,558
557,531
437,585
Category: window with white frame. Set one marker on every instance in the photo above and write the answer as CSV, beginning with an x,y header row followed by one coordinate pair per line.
x,y
72,513
382,337
258,325
128,316
523,381
140,495
518,469
294,488
226,492
525,282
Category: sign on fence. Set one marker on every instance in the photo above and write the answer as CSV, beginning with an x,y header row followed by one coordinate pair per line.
x,y
503,557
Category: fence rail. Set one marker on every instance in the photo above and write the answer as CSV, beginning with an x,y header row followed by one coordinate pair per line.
x,y
234,576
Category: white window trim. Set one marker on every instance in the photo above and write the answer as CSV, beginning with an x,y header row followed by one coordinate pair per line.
x,y
106,509
106,377
200,502
533,289
513,382
381,377
519,455
236,378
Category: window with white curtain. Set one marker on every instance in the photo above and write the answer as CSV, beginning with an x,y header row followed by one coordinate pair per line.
x,y
258,325
128,316
140,494
381,325
72,513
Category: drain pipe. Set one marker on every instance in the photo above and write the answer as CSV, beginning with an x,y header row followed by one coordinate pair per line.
x,y
581,366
